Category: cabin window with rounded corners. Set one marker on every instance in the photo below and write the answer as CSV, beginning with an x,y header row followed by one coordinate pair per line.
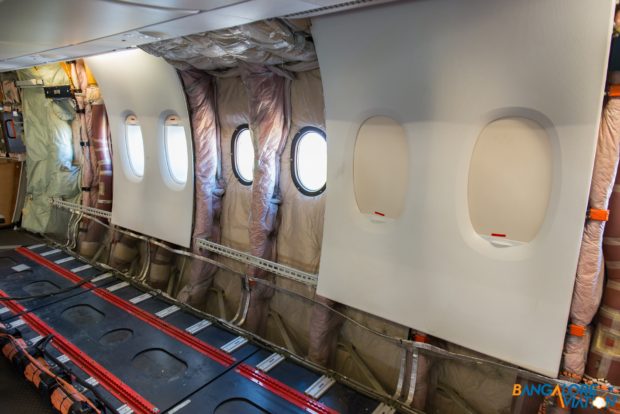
x,y
510,179
243,155
175,142
381,168
309,161
134,145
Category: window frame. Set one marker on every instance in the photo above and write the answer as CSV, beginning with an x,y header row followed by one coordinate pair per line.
x,y
294,152
175,121
132,119
233,153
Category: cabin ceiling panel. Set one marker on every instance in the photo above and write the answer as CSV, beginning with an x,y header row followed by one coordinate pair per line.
x,y
11,49
200,22
444,70
39,29
68,22
182,4
263,9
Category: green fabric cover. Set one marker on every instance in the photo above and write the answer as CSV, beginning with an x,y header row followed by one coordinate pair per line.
x,y
48,140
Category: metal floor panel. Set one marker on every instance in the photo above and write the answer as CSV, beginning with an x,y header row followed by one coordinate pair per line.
x,y
20,277
234,394
159,353
338,396
10,238
156,366
292,374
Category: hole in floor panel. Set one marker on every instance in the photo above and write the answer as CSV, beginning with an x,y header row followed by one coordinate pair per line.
x,y
159,364
40,287
115,337
239,406
82,315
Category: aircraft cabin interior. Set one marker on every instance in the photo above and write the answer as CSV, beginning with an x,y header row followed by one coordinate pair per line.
x,y
309,206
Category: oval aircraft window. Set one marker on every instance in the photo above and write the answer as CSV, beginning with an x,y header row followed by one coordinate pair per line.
x,y
134,145
243,155
176,149
510,181
309,161
381,168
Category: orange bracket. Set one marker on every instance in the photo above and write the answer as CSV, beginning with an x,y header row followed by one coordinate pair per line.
x,y
576,330
614,91
599,215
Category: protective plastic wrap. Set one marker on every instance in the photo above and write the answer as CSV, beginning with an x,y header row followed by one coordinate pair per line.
x,y
80,128
94,143
300,229
486,389
48,142
200,91
586,296
269,109
588,284
10,93
602,357
232,111
160,268
268,42
102,183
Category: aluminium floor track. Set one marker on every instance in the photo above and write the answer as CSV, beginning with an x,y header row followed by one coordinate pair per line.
x,y
146,355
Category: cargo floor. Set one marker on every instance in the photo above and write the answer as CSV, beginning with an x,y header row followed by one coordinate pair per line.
x,y
142,353
10,238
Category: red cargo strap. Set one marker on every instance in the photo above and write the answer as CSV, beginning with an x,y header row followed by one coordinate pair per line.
x,y
214,353
291,395
114,385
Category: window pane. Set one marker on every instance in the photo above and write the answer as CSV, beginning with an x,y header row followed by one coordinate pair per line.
x,y
176,153
311,161
244,155
510,179
381,167
135,149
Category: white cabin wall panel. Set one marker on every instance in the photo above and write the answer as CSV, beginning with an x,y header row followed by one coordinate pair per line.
x,y
134,82
445,69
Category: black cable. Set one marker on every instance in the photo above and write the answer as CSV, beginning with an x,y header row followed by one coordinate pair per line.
x,y
24,312
41,346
